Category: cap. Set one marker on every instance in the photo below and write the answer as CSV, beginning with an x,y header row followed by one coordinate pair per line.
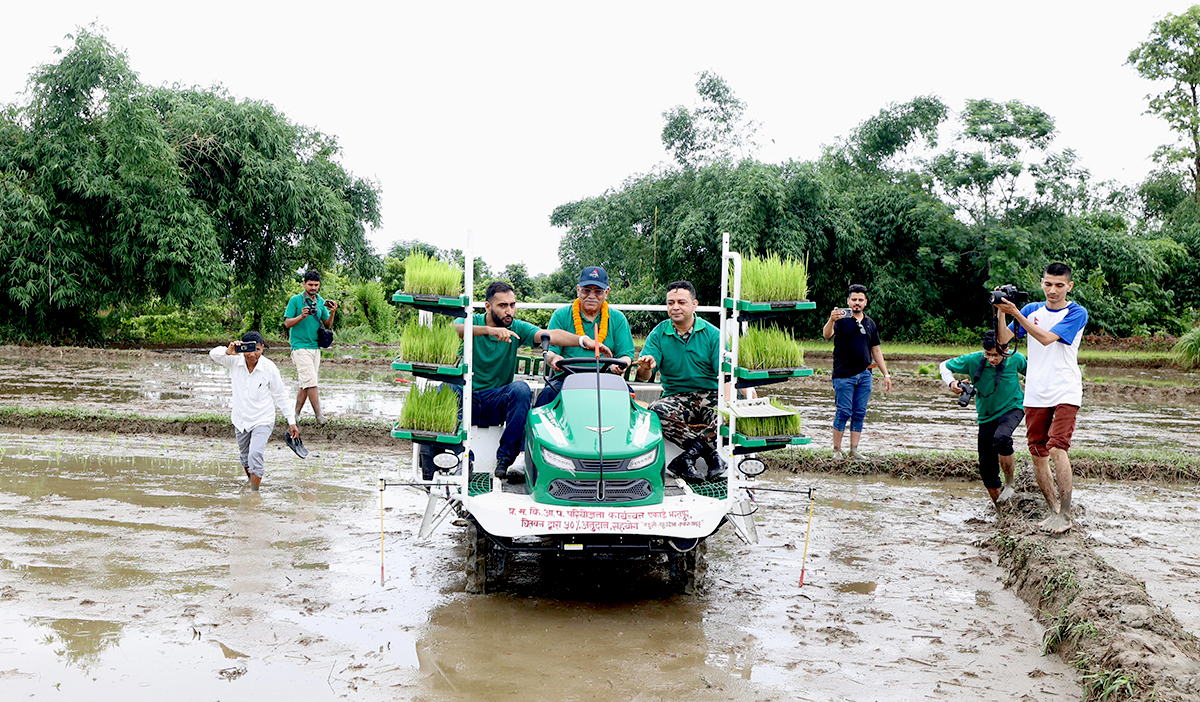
x,y
254,336
594,275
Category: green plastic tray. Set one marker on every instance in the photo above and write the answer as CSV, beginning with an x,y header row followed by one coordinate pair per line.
x,y
748,306
430,300
432,436
740,439
757,374
431,368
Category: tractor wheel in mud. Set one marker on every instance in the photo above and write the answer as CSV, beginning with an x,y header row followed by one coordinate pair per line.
x,y
485,562
689,570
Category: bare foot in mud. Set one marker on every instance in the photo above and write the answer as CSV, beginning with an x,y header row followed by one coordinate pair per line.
x,y
1058,523
1044,525
1006,495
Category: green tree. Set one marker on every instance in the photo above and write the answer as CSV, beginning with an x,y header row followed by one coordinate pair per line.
x,y
716,128
517,276
983,178
114,194
96,211
1171,57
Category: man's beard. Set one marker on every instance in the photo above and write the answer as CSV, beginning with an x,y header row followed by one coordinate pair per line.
x,y
502,322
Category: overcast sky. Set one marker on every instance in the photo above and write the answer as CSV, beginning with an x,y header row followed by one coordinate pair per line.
x,y
485,116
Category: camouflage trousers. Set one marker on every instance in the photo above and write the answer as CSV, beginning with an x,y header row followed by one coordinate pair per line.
x,y
687,416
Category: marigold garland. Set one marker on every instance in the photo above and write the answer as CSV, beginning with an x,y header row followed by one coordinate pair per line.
x,y
601,331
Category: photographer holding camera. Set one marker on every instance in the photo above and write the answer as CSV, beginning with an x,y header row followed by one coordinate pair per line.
x,y
855,349
256,383
998,404
305,314
1053,383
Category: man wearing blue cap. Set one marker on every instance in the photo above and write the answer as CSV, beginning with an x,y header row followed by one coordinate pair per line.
x,y
589,315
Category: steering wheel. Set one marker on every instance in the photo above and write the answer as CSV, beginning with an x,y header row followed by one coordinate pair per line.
x,y
567,365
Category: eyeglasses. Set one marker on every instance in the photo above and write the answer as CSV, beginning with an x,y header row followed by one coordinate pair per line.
x,y
592,292
861,328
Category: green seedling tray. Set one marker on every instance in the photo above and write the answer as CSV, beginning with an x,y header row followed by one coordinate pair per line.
x,y
740,439
430,300
783,306
428,436
429,368
761,373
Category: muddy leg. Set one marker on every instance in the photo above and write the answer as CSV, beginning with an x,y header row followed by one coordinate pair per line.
x,y
300,398
994,493
315,400
1041,471
1007,465
1062,469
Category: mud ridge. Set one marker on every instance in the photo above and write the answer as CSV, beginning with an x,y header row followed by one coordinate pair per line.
x,y
335,432
1098,619
1131,465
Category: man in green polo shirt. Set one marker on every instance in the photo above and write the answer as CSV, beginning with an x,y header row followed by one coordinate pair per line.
x,y
588,316
685,350
999,403
495,397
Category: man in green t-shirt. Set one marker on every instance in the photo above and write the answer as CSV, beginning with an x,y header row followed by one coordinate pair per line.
x,y
588,316
999,402
685,350
495,397
305,313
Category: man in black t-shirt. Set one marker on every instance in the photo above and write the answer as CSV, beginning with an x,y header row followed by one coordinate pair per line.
x,y
855,346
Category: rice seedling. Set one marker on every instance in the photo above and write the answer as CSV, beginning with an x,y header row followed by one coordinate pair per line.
x,y
429,276
784,425
429,344
769,347
1187,349
434,408
773,279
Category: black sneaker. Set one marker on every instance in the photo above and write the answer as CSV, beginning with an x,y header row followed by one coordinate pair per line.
x,y
502,465
515,474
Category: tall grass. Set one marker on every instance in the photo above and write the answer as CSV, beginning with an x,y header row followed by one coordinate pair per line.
x,y
1187,350
785,425
434,408
769,347
429,344
429,276
774,279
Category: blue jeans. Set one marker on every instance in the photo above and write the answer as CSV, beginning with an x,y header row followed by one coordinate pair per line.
x,y
507,405
852,395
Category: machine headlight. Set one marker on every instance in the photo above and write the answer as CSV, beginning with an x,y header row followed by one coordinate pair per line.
x,y
646,459
558,461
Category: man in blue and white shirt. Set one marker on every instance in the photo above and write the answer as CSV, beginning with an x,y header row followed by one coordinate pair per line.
x,y
257,385
1053,384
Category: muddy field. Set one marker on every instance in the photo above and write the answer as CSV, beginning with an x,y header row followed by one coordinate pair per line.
x,y
133,564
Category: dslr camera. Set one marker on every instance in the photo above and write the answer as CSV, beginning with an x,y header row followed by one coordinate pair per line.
x,y
1010,293
312,310
968,393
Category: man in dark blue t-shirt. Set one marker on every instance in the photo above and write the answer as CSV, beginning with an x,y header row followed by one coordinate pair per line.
x,y
855,347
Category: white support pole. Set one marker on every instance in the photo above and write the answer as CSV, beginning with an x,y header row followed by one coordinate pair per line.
x,y
464,473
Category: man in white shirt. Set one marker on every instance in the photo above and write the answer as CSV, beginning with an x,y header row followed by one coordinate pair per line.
x,y
256,383
1053,384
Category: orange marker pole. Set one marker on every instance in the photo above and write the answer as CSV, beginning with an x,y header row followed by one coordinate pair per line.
x,y
812,500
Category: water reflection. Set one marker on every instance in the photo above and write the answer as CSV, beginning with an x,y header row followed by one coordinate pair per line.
x,y
80,642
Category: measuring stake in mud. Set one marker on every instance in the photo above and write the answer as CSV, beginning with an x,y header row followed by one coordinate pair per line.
x,y
812,500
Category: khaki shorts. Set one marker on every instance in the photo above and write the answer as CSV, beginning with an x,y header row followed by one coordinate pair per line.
x,y
308,362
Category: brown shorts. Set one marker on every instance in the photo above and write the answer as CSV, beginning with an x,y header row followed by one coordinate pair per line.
x,y
1049,427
